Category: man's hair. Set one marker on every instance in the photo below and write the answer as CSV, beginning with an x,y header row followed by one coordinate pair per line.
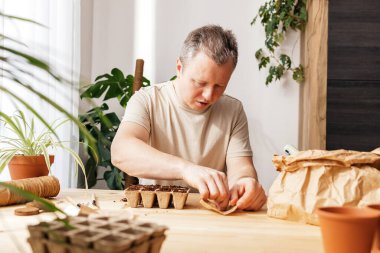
x,y
218,44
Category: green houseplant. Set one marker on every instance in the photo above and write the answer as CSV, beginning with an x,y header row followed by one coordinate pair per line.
x,y
278,17
17,70
103,124
26,147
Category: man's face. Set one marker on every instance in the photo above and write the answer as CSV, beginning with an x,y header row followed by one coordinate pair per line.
x,y
201,82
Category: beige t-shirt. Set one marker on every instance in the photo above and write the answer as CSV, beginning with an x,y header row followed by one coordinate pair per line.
x,y
205,138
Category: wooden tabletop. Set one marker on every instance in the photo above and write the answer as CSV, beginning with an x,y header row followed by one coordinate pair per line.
x,y
192,229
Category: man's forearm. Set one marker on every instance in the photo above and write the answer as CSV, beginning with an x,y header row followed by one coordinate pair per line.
x,y
240,167
138,159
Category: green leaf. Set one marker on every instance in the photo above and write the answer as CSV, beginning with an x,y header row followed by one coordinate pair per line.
x,y
264,62
32,61
145,81
104,107
99,88
124,100
21,19
285,61
114,179
117,74
269,79
107,76
2,37
254,20
91,172
303,14
259,54
113,118
28,107
298,74
279,72
104,152
288,21
112,92
130,79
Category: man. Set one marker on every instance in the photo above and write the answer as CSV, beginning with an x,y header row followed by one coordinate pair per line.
x,y
188,130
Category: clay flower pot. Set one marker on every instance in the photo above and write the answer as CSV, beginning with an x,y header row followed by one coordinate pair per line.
x,y
376,242
347,229
22,166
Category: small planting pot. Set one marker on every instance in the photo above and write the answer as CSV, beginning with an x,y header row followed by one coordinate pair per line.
x,y
86,237
148,195
132,193
139,235
164,196
113,243
60,233
180,197
39,230
148,198
347,229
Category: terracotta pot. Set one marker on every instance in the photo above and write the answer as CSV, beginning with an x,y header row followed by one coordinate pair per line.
x,y
376,242
347,229
28,166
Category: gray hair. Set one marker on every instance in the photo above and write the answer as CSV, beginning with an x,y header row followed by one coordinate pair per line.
x,y
218,44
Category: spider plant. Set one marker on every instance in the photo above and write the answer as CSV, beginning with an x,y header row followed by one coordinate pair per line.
x,y
25,140
17,68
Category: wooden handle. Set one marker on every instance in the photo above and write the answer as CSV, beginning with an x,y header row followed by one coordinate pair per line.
x,y
47,186
137,82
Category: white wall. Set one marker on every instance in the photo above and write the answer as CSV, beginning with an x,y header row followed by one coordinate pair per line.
x,y
124,30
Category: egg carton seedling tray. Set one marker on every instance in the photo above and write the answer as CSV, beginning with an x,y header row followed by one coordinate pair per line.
x,y
96,234
156,195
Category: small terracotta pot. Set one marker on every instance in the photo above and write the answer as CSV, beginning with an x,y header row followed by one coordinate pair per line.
x,y
22,166
376,242
347,229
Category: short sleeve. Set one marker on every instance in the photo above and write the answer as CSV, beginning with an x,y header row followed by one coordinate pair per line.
x,y
239,144
138,110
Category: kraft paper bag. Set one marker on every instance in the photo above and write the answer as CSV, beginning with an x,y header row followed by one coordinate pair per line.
x,y
316,178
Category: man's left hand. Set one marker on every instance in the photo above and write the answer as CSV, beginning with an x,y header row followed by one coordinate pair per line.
x,y
248,194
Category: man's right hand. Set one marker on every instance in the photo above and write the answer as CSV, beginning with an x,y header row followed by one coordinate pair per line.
x,y
212,184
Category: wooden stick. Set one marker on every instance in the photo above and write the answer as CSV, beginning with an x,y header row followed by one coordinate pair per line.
x,y
139,69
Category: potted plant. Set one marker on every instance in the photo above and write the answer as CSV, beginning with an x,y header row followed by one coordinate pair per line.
x,y
27,153
103,124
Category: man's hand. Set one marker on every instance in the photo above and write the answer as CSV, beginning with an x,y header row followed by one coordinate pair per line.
x,y
248,194
212,184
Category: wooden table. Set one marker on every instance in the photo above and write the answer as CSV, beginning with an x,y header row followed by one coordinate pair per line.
x,y
192,229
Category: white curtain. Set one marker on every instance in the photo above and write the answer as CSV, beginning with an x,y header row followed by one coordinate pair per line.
x,y
58,44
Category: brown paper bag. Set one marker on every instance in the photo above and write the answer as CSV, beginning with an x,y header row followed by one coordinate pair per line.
x,y
316,178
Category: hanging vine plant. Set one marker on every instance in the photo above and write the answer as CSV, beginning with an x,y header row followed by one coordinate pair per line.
x,y
277,17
